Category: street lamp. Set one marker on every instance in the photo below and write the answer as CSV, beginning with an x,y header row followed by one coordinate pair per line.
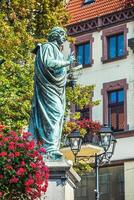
x,y
107,142
105,137
75,141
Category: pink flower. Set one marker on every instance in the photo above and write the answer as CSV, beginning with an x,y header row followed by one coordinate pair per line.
x,y
37,175
26,135
20,171
30,145
44,188
5,139
11,155
17,154
24,157
11,146
20,145
28,189
14,180
2,154
33,165
29,182
13,133
44,168
23,163
35,153
39,182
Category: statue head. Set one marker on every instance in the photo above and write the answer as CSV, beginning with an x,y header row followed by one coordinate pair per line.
x,y
57,34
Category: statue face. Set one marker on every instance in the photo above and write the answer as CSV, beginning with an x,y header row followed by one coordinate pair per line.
x,y
62,38
57,34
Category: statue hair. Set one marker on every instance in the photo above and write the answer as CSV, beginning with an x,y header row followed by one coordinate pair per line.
x,y
55,33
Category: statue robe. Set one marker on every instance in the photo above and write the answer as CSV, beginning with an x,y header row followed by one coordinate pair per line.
x,y
49,97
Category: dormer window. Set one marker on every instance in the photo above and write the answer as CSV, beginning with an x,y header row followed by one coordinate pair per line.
x,y
88,1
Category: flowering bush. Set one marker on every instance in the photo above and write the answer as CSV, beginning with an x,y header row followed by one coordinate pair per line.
x,y
84,126
89,125
23,173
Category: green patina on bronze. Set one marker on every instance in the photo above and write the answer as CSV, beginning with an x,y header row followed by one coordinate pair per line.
x,y
49,92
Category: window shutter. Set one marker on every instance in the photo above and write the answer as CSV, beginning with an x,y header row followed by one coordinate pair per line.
x,y
113,118
121,117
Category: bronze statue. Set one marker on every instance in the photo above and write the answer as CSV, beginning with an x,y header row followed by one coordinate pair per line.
x,y
48,104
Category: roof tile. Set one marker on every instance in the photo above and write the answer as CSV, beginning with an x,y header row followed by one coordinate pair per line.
x,y
80,12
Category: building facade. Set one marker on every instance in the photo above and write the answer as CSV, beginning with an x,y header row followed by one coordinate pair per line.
x,y
104,44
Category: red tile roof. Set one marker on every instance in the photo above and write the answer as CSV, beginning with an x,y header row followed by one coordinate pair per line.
x,y
79,12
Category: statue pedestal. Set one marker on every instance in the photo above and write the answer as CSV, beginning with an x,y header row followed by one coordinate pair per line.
x,y
62,181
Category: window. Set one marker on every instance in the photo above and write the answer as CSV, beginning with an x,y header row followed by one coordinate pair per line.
x,y
104,183
88,1
115,104
114,43
115,46
83,54
85,113
116,110
83,49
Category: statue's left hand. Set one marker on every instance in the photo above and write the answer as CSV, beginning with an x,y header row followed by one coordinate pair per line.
x,y
71,58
